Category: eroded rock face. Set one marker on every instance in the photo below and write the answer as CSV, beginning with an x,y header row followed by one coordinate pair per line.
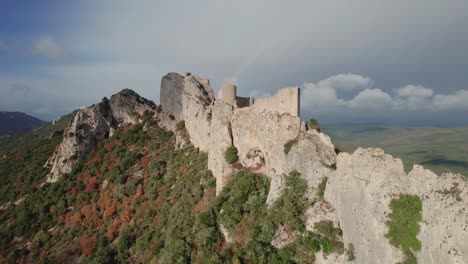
x,y
172,86
313,156
360,192
444,228
220,139
92,124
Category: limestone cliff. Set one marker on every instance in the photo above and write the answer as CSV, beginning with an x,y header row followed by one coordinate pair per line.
x,y
259,136
360,192
92,124
360,186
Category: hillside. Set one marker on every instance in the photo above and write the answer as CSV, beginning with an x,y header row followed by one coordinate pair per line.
x,y
137,199
205,180
438,149
31,138
12,123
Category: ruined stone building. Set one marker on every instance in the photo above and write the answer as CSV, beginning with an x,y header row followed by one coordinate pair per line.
x,y
286,100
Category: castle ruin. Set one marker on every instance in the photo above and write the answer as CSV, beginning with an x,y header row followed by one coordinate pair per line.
x,y
286,100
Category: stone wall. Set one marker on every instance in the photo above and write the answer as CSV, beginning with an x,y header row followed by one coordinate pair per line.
x,y
286,100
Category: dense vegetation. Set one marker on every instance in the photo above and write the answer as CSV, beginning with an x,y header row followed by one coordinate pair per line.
x,y
22,170
137,199
404,226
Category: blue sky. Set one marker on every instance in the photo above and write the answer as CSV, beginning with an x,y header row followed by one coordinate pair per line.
x,y
402,62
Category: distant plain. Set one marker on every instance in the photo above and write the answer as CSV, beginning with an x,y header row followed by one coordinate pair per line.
x,y
438,149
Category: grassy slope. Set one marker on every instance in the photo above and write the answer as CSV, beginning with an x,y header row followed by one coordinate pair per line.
x,y
438,149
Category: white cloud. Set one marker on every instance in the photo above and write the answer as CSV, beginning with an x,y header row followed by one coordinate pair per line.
x,y
321,97
415,91
314,96
48,47
458,100
324,93
371,99
346,81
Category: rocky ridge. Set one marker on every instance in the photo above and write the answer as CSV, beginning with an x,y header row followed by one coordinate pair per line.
x,y
359,189
92,124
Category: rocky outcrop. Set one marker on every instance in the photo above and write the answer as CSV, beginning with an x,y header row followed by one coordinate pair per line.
x,y
172,86
360,192
314,157
178,94
92,124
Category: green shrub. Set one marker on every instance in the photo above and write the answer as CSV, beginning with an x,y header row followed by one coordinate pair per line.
x,y
288,145
310,242
321,187
350,252
180,125
292,204
403,224
129,160
313,123
231,155
245,194
326,229
330,239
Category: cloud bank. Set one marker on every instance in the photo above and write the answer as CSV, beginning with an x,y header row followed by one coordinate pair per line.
x,y
322,99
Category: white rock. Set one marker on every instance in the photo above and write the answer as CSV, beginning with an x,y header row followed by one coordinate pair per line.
x,y
361,191
92,124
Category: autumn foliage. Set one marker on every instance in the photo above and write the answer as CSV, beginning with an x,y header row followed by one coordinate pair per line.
x,y
88,244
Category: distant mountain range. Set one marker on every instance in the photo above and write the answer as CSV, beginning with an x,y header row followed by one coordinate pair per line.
x,y
438,149
17,123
